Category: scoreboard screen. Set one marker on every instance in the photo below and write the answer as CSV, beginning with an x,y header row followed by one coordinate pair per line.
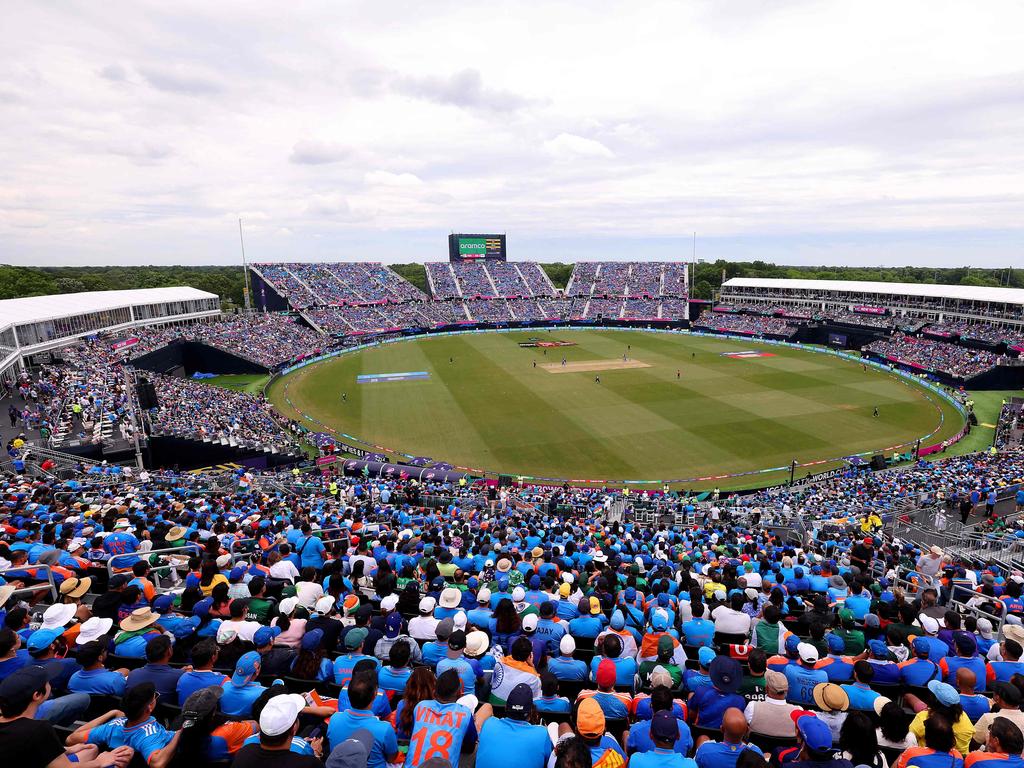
x,y
473,247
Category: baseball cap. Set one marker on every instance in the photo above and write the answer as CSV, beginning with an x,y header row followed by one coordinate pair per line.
x,y
265,635
484,595
393,625
42,639
792,643
815,733
660,676
606,673
878,649
618,621
387,604
776,682
444,628
808,653
27,680
705,656
245,668
595,606
518,594
530,622
198,706
353,752
836,644
325,604
457,640
312,639
590,718
519,703
921,647
928,624
664,726
726,674
354,637
567,645
280,713
427,604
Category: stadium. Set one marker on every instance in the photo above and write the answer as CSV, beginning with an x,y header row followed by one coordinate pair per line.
x,y
519,385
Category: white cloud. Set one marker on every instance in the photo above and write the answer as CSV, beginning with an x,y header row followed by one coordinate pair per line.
x,y
570,145
373,129
389,179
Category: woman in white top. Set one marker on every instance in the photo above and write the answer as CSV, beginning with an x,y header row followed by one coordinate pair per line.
x,y
894,725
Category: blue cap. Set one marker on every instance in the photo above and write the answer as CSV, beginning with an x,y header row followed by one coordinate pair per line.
x,y
921,646
629,595
245,668
163,603
879,649
22,534
42,639
236,573
618,621
705,656
835,643
945,693
535,581
311,640
815,733
792,641
265,635
202,607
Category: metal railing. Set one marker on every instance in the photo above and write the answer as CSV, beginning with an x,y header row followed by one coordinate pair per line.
x,y
50,583
189,549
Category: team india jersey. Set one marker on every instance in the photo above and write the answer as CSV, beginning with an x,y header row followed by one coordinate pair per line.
x,y
438,731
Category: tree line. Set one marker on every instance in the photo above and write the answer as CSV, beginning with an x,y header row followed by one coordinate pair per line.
x,y
226,282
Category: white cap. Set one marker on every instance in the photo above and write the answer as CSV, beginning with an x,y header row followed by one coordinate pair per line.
x,y
58,614
928,624
224,561
719,594
483,595
518,594
567,645
287,605
280,713
459,619
985,628
93,629
324,605
807,653
427,604
530,622
389,603
568,578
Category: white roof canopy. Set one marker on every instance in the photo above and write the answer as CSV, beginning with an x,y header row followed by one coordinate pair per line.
x,y
39,308
926,290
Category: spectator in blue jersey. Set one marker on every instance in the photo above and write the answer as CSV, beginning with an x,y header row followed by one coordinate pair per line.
x,y
625,667
1010,651
695,679
711,701
309,549
859,691
455,660
814,744
393,677
549,700
1003,746
664,734
974,704
886,671
660,700
442,727
698,631
725,753
564,666
158,669
858,601
803,676
43,646
937,649
242,689
361,694
480,616
549,628
838,668
346,662
204,656
278,717
142,732
590,622
512,741
966,658
919,670
94,677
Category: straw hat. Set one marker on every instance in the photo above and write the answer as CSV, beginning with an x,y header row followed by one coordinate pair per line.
x,y
177,532
74,587
140,618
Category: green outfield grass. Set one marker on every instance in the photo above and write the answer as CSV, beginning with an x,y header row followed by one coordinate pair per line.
x,y
486,406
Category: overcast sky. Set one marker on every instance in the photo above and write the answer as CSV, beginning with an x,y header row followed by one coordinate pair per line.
x,y
796,132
